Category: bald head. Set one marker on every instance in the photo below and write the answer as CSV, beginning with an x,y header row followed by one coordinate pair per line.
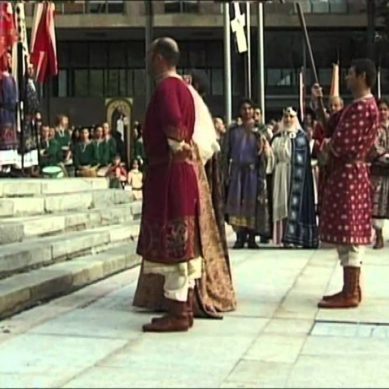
x,y
168,49
335,104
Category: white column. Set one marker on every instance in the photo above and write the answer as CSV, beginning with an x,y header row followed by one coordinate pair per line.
x,y
261,62
227,64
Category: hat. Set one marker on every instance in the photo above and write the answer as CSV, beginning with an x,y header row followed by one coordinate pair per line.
x,y
289,111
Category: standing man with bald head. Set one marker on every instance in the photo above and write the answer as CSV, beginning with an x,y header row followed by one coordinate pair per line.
x,y
169,237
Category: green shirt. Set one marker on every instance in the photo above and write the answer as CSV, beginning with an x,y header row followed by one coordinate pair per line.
x,y
63,140
85,154
102,153
51,154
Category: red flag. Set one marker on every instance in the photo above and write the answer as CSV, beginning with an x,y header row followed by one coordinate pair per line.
x,y
8,34
43,42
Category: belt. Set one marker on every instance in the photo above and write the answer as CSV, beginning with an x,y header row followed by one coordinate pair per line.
x,y
179,157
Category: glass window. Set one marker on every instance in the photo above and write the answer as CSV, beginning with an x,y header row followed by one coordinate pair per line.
x,y
81,82
338,6
177,6
96,6
136,54
172,6
320,6
197,56
281,77
62,83
190,6
96,85
122,83
117,55
98,54
79,54
325,76
115,6
217,84
130,82
215,54
139,82
273,76
63,53
112,83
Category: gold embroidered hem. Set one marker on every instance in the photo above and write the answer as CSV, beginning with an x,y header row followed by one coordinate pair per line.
x,y
242,222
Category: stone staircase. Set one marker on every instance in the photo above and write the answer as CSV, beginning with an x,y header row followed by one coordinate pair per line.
x,y
60,235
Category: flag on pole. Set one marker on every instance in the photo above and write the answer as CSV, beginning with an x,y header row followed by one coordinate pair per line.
x,y
20,24
334,90
301,94
238,28
43,42
8,33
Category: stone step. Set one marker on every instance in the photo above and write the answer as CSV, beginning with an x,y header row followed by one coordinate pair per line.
x,y
38,205
37,252
23,291
24,187
18,229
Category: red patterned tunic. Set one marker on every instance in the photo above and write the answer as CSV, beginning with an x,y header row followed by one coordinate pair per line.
x,y
169,226
347,198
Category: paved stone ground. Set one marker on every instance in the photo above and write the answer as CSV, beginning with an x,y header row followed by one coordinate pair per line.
x,y
276,338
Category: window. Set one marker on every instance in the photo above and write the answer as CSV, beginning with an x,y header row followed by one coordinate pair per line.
x,y
217,84
62,83
325,76
320,6
338,6
81,82
96,85
281,77
139,82
181,6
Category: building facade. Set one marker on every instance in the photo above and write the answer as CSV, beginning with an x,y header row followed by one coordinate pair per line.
x,y
101,51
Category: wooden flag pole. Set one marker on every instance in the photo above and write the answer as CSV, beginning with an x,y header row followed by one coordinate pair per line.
x,y
311,59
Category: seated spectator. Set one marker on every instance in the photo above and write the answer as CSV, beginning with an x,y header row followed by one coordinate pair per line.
x,y
50,150
85,158
102,151
117,173
110,142
135,180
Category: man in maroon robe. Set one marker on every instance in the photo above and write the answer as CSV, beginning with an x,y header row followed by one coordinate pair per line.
x,y
169,235
347,199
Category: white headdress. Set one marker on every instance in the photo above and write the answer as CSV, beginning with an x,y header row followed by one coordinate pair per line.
x,y
296,124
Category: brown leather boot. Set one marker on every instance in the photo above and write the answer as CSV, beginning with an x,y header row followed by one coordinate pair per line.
x,y
176,320
379,240
190,305
349,297
337,295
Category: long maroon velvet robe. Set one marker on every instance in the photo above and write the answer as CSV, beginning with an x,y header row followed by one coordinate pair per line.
x,y
169,226
347,198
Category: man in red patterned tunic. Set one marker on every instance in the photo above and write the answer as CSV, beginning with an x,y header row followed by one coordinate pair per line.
x,y
347,198
169,235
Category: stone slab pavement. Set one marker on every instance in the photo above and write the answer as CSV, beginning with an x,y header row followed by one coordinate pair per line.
x,y
276,338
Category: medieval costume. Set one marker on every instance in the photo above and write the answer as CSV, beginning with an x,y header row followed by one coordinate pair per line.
x,y
8,125
51,153
85,156
246,204
294,215
31,107
345,218
380,181
213,291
